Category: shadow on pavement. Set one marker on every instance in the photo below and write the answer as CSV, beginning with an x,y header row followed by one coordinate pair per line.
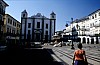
x,y
27,57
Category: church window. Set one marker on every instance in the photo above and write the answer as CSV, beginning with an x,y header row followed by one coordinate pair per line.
x,y
38,24
23,15
46,26
28,31
29,25
52,16
46,32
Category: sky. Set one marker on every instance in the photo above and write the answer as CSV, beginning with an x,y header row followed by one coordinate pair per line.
x,y
64,9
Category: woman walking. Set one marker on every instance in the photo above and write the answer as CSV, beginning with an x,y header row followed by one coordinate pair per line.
x,y
79,56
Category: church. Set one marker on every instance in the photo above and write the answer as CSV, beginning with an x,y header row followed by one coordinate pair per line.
x,y
37,28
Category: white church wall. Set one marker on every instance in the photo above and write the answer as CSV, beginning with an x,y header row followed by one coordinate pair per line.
x,y
29,21
38,20
46,22
52,28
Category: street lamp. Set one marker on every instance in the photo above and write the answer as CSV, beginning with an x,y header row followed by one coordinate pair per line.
x,y
72,46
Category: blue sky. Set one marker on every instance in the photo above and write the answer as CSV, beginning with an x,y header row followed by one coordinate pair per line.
x,y
64,9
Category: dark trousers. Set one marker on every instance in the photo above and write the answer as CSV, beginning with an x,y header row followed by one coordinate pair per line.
x,y
80,62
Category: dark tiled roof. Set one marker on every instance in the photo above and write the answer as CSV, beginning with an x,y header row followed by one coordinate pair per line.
x,y
94,12
81,19
4,2
84,18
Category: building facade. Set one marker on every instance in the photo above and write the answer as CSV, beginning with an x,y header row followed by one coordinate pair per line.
x,y
3,6
37,27
87,28
11,28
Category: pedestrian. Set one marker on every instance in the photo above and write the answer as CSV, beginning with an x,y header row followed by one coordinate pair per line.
x,y
79,56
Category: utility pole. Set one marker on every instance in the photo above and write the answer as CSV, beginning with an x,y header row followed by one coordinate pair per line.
x,y
72,46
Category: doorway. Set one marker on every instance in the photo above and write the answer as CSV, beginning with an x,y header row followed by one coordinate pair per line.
x,y
84,40
87,40
37,37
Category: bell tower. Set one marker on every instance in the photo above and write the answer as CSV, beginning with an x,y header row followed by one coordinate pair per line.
x,y
24,14
52,15
52,24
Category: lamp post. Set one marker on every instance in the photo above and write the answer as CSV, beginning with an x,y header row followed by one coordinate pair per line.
x,y
72,46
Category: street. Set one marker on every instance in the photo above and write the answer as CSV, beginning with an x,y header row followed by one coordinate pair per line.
x,y
65,53
48,55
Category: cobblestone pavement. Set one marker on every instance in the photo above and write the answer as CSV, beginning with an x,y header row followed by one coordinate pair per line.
x,y
65,53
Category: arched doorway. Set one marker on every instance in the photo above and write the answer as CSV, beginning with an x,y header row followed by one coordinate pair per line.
x,y
92,40
37,36
97,41
87,40
84,40
79,39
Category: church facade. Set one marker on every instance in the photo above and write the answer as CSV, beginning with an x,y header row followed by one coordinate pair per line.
x,y
37,28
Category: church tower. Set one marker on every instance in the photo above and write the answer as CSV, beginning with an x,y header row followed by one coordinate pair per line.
x,y
24,16
52,24
52,15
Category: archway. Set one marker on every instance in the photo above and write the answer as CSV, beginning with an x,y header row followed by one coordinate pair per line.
x,y
92,40
97,41
79,39
37,36
87,40
84,40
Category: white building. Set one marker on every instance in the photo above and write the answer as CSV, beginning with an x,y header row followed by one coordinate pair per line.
x,y
37,27
87,28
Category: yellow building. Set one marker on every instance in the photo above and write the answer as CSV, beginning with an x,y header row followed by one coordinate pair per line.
x,y
3,6
11,28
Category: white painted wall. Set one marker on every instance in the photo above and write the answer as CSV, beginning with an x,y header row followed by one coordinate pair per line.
x,y
38,20
11,26
52,30
29,21
23,26
47,21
